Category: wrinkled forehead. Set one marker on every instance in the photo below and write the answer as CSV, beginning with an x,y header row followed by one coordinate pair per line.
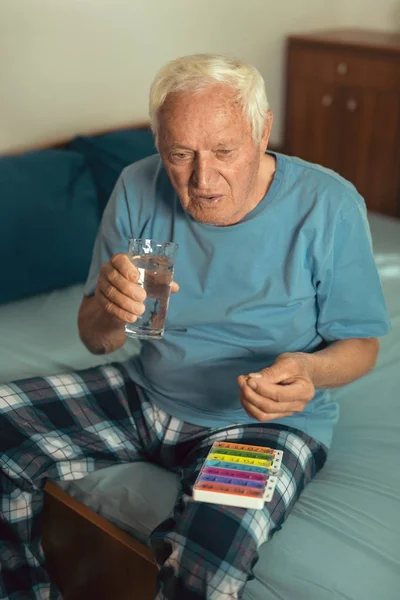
x,y
213,112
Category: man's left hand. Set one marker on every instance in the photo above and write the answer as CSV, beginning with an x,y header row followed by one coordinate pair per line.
x,y
280,390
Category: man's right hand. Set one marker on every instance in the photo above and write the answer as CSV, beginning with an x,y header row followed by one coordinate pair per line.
x,y
118,291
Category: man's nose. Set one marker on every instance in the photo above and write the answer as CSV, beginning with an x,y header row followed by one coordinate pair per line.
x,y
204,173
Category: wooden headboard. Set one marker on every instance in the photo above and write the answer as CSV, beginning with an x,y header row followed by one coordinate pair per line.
x,y
61,143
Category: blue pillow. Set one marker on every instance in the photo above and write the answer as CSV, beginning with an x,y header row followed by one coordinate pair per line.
x,y
48,222
108,154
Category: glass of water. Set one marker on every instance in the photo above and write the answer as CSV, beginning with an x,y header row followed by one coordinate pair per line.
x,y
155,263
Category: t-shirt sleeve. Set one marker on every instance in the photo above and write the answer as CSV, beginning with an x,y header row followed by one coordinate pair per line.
x,y
350,299
113,235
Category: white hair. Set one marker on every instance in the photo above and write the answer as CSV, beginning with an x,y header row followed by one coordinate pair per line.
x,y
194,73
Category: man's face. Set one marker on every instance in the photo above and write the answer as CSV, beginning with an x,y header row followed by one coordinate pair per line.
x,y
206,145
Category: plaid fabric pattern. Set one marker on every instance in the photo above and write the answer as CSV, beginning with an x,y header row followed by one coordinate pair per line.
x,y
64,427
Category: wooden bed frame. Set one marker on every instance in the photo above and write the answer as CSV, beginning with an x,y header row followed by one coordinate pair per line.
x,y
89,558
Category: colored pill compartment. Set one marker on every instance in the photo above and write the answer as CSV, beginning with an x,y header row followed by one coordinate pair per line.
x,y
238,475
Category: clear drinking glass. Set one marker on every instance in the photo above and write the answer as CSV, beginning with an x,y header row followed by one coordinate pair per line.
x,y
155,263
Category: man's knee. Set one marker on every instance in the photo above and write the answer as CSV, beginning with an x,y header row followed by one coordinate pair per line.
x,y
215,529
216,534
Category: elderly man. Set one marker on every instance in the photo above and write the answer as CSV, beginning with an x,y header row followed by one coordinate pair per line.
x,y
279,301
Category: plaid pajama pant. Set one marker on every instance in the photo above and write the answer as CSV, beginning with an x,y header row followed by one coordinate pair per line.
x,y
63,427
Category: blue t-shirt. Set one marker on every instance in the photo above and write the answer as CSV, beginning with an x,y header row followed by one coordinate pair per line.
x,y
294,275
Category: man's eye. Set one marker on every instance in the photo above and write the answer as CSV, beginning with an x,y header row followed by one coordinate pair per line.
x,y
224,152
180,155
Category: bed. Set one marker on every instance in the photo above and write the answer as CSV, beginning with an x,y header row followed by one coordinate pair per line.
x,y
342,540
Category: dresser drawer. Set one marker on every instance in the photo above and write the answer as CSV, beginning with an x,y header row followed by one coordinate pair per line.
x,y
344,67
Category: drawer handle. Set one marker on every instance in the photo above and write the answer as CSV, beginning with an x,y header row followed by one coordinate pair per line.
x,y
351,104
342,68
327,100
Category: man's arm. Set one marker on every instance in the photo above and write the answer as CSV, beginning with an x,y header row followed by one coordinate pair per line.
x,y
342,362
118,299
99,331
290,383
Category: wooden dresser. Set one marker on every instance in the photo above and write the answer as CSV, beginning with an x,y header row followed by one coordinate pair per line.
x,y
343,109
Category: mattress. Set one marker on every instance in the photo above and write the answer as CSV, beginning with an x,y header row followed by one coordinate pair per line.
x,y
39,336
342,540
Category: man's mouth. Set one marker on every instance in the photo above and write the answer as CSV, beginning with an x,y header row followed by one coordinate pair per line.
x,y
209,198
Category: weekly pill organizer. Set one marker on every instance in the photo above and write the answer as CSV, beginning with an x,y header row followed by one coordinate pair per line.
x,y
238,475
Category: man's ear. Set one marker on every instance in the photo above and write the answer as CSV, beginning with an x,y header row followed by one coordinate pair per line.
x,y
269,119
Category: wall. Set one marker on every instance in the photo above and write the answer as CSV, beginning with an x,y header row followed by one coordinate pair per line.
x,y
383,14
69,66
